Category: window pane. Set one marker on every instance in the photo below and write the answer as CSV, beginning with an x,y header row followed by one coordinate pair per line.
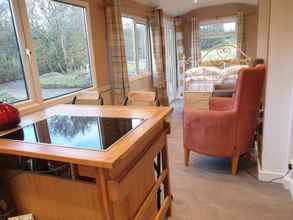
x,y
217,35
142,48
60,39
129,36
12,79
207,44
225,27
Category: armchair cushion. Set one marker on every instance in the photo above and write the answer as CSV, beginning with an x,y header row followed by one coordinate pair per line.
x,y
210,132
221,103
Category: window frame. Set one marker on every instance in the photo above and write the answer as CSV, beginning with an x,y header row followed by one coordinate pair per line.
x,y
140,21
35,100
229,19
20,40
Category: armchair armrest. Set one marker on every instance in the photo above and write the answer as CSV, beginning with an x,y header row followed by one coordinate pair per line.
x,y
221,103
210,132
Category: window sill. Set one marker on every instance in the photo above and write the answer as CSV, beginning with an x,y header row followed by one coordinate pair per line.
x,y
28,107
139,76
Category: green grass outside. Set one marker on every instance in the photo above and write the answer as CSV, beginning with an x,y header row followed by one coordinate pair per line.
x,y
66,81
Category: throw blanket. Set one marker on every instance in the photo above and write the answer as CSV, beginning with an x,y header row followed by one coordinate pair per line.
x,y
204,78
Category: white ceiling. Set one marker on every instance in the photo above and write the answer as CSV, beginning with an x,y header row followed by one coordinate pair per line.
x,y
179,7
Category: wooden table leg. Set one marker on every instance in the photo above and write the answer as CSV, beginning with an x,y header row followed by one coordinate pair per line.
x,y
101,183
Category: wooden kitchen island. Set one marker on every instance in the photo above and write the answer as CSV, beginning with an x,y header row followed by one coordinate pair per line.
x,y
117,183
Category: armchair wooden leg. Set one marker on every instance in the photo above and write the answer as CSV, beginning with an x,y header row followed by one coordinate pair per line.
x,y
235,160
186,156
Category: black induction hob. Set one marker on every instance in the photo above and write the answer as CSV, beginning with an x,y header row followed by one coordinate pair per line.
x,y
92,133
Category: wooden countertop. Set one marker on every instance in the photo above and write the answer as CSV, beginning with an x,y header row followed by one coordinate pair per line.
x,y
104,159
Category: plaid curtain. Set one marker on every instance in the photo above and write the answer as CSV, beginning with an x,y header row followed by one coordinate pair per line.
x,y
195,50
240,33
158,56
180,51
119,73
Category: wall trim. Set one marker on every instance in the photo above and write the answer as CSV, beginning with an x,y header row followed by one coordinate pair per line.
x,y
265,175
288,184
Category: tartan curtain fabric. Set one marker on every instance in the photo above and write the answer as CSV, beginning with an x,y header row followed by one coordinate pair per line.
x,y
195,50
156,25
158,56
119,73
240,33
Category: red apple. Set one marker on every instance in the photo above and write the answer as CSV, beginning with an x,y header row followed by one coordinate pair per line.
x,y
9,116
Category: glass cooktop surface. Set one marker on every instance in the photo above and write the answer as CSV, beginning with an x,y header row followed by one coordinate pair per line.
x,y
92,133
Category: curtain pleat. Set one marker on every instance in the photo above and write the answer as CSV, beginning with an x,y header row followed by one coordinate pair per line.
x,y
119,73
241,33
195,50
158,56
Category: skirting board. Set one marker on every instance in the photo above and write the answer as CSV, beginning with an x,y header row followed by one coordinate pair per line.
x,y
266,176
288,184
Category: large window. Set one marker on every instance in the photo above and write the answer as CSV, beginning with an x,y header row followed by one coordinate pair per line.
x,y
60,41
137,47
218,33
142,48
12,78
129,37
55,37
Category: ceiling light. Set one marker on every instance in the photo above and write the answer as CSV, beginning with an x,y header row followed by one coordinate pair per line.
x,y
195,1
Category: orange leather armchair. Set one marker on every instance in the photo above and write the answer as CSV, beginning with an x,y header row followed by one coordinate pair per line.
x,y
227,129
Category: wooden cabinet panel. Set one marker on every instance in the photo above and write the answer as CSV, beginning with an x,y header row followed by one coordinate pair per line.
x,y
51,198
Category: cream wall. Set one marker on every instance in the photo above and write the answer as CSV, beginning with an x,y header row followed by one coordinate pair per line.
x,y
278,138
264,9
137,9
227,10
98,28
